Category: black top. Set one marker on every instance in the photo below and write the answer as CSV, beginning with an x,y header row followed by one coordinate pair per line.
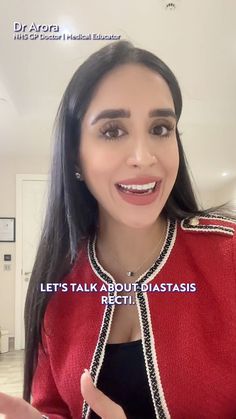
x,y
123,378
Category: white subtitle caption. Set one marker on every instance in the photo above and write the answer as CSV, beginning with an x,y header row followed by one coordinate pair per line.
x,y
118,287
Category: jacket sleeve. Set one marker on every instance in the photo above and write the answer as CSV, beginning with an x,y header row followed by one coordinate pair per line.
x,y
45,395
234,253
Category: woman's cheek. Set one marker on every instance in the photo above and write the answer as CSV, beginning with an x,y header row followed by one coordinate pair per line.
x,y
98,171
169,159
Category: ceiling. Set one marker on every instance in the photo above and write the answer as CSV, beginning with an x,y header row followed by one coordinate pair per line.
x,y
197,40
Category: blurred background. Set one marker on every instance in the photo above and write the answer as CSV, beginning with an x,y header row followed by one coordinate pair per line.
x,y
197,39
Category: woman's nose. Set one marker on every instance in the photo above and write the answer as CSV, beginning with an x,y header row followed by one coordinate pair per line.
x,y
141,155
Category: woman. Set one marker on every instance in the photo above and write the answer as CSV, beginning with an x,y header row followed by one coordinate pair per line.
x,y
122,211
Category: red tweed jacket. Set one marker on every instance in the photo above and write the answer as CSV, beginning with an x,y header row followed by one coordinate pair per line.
x,y
188,338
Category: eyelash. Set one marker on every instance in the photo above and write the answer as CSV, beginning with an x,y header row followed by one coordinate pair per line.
x,y
112,126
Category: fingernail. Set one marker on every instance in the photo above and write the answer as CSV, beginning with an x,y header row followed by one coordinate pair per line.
x,y
85,370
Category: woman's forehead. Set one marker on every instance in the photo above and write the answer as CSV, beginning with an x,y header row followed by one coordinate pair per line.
x,y
131,86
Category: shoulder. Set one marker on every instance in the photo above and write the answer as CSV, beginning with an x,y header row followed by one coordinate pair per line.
x,y
211,234
212,223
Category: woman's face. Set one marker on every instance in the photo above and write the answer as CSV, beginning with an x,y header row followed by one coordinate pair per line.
x,y
128,138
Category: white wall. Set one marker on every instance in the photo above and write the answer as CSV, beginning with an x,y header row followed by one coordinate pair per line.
x,y
9,167
206,198
228,193
219,196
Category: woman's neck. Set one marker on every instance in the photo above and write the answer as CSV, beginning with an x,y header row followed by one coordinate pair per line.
x,y
121,249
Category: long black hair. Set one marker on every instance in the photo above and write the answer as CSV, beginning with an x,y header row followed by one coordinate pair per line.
x,y
72,211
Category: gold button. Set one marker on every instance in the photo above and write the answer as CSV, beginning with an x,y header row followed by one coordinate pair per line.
x,y
193,221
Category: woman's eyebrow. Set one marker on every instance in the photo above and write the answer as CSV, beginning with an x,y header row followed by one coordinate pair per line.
x,y
124,113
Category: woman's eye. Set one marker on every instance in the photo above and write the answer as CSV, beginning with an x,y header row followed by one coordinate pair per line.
x,y
162,130
112,133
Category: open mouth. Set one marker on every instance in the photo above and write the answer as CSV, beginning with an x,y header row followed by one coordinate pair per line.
x,y
146,189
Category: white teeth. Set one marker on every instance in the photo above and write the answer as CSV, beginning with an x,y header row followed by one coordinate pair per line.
x,y
145,187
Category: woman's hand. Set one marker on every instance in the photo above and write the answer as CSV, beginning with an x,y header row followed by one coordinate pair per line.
x,y
99,403
15,407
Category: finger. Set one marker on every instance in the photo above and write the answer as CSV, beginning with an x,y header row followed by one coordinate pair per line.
x,y
98,401
14,407
7,403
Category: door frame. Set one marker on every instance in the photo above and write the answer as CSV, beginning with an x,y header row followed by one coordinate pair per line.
x,y
19,339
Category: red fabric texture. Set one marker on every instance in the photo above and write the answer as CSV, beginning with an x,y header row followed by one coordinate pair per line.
x,y
194,333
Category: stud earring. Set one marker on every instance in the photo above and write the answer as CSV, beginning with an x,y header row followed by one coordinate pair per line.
x,y
78,176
